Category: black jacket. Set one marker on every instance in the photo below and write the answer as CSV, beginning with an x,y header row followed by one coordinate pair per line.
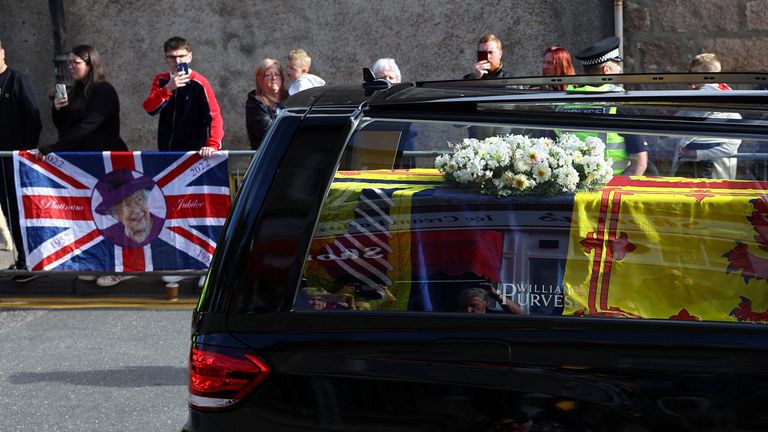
x,y
19,114
94,127
190,117
498,73
258,117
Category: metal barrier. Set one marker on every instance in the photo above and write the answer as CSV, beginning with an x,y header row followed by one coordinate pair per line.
x,y
755,168
238,163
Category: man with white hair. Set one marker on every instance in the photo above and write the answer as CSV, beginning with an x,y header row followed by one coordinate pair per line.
x,y
386,68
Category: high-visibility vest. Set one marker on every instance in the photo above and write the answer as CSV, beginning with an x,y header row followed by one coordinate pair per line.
x,y
614,143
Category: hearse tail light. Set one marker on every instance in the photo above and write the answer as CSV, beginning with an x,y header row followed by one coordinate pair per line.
x,y
219,378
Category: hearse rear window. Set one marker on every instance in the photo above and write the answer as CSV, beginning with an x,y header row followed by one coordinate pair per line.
x,y
426,217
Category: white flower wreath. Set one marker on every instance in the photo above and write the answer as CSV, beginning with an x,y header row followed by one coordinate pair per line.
x,y
517,164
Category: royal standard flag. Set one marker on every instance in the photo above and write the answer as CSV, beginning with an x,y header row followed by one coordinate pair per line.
x,y
670,248
121,211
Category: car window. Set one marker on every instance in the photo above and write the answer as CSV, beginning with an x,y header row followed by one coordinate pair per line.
x,y
686,241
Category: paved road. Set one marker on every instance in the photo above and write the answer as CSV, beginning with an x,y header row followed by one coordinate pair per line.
x,y
93,370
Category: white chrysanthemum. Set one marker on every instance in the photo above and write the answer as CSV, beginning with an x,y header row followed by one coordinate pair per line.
x,y
521,182
577,156
567,179
542,173
521,165
508,178
593,142
534,156
498,183
569,142
515,162
441,161
592,163
463,176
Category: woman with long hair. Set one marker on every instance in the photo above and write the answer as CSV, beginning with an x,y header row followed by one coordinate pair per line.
x,y
557,62
263,102
87,117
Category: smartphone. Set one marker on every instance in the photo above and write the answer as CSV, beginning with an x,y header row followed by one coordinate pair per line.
x,y
182,67
61,91
482,56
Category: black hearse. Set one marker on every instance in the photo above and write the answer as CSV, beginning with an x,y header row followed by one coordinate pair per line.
x,y
387,267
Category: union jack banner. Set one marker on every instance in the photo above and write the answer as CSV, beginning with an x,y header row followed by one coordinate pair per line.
x,y
121,211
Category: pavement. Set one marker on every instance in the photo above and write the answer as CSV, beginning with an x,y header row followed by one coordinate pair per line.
x,y
60,290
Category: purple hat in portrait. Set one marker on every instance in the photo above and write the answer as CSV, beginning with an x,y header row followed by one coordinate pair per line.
x,y
118,185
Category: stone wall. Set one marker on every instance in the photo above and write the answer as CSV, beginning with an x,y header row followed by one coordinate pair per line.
x,y
663,35
430,39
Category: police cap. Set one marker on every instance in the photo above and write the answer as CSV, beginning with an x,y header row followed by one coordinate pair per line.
x,y
601,52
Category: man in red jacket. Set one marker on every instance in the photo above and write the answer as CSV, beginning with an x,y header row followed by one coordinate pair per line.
x,y
190,118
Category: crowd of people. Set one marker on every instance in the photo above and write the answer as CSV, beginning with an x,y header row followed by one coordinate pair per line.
x,y
87,114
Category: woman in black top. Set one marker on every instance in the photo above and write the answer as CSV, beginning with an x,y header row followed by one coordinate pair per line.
x,y
88,119
263,102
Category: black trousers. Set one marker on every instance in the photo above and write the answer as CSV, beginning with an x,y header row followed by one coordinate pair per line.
x,y
10,208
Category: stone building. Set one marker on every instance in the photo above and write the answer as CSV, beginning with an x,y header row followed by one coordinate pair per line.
x,y
663,35
431,40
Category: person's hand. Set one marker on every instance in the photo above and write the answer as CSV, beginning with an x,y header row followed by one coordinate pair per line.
x,y
493,293
507,304
206,151
60,103
177,80
37,154
481,68
349,300
390,296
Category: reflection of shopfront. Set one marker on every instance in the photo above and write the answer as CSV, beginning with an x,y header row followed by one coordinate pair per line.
x,y
532,271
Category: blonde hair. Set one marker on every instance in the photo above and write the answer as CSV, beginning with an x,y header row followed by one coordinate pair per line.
x,y
299,57
705,62
490,37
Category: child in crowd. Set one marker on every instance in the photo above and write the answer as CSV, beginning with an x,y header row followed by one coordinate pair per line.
x,y
706,157
299,63
706,63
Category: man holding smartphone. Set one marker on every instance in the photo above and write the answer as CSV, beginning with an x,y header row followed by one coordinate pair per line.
x,y
190,117
488,64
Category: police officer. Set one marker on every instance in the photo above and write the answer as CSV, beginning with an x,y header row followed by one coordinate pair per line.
x,y
602,58
629,153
